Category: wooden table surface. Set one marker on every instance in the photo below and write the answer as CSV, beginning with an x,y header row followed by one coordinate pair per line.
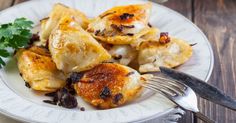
x,y
217,19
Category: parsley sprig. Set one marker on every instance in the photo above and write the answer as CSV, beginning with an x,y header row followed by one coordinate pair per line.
x,y
13,36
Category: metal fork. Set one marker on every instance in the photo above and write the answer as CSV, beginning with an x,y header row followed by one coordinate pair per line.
x,y
179,93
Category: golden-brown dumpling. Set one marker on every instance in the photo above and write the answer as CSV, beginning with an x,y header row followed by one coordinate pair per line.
x,y
58,11
109,85
123,24
154,54
38,69
74,49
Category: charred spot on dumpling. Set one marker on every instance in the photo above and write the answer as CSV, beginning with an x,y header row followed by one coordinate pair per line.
x,y
130,34
126,16
127,26
37,57
117,98
105,93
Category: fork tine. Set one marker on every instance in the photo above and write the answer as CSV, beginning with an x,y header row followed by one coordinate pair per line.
x,y
173,88
173,85
163,92
152,88
165,89
170,81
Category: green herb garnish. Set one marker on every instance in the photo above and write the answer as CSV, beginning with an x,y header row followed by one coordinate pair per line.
x,y
14,36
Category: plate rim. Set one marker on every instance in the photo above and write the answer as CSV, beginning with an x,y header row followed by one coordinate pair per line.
x,y
210,69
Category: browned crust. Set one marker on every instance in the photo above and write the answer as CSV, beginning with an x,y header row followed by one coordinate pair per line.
x,y
138,11
108,75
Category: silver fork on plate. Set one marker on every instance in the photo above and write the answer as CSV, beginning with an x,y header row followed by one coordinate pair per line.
x,y
179,93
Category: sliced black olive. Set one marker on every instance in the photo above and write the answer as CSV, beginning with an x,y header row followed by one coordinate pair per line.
x,y
106,92
68,101
117,98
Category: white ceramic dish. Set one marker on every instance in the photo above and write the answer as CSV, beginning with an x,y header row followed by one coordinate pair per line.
x,y
21,103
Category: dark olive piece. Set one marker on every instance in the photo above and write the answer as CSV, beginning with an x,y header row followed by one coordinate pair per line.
x,y
106,92
117,98
74,78
68,101
82,109
50,102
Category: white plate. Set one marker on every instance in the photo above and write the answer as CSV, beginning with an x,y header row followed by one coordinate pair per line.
x,y
21,103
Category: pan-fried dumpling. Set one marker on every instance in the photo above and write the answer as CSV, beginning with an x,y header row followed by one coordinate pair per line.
x,y
74,49
167,54
109,85
38,69
123,24
58,11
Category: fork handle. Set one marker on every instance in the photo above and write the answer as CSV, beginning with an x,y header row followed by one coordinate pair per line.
x,y
203,117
